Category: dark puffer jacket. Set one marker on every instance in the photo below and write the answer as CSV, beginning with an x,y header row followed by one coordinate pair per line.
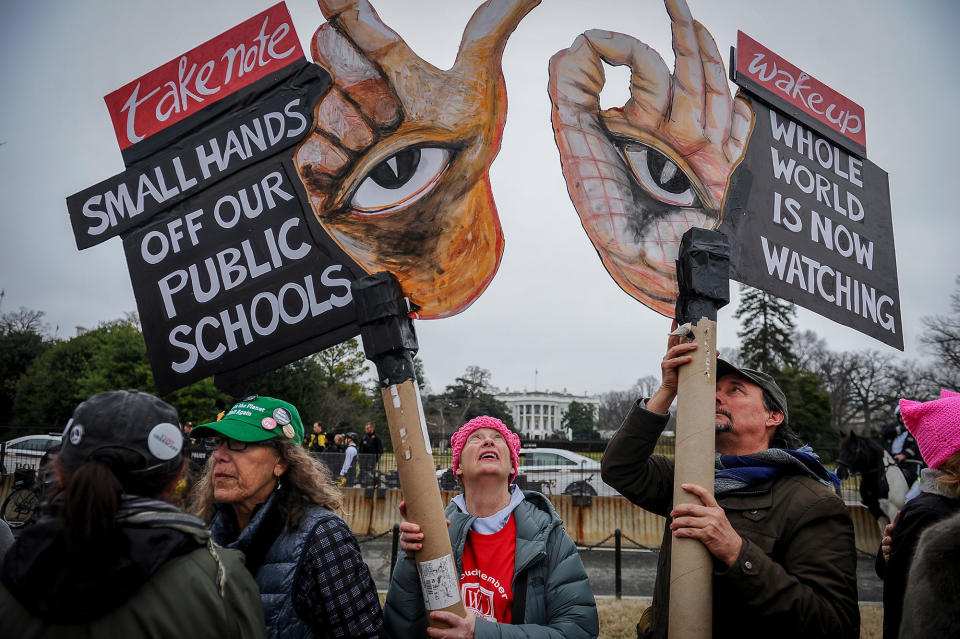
x,y
796,575
312,578
559,601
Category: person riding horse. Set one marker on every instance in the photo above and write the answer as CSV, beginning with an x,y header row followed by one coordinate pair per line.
x,y
903,447
882,486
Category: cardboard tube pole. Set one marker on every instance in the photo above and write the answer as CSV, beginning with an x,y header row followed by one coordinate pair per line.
x,y
691,569
389,341
703,278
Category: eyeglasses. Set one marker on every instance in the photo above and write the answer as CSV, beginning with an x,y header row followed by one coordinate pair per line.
x,y
238,446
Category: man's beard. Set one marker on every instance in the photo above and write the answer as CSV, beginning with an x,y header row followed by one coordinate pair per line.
x,y
724,427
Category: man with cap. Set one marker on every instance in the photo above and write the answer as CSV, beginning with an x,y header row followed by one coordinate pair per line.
x,y
784,559
267,496
520,574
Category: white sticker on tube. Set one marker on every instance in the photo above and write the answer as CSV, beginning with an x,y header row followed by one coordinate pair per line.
x,y
396,396
438,579
423,421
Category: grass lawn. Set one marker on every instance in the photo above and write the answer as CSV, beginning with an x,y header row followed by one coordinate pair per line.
x,y
618,618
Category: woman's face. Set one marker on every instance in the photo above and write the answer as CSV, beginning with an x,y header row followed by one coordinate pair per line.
x,y
485,453
245,478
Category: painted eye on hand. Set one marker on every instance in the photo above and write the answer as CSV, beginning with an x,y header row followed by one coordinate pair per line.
x,y
660,176
400,180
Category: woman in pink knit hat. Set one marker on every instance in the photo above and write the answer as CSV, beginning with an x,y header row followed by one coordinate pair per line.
x,y
516,563
936,427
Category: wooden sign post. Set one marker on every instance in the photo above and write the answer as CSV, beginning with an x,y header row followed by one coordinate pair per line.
x,y
389,342
702,274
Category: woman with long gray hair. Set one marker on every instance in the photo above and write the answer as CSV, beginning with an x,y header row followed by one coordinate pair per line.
x,y
265,495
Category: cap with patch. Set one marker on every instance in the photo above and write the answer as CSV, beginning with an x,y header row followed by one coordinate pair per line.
x,y
759,378
256,419
127,419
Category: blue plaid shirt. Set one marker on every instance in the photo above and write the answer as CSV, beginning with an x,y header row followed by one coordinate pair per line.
x,y
334,592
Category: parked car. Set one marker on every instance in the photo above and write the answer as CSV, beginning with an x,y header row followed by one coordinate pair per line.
x,y
551,471
27,451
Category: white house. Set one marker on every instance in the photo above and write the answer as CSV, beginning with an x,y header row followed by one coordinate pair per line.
x,y
539,414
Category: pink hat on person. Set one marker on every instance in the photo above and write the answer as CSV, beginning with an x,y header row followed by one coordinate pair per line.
x,y
459,439
935,425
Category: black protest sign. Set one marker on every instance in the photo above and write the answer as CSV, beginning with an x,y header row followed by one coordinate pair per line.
x,y
232,272
198,161
811,223
233,275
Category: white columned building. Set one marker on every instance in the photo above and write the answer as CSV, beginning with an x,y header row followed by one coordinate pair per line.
x,y
539,414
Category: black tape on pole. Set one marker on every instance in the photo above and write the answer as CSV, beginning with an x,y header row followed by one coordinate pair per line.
x,y
389,340
703,275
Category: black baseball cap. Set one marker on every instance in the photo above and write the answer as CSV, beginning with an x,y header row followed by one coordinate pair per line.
x,y
127,419
761,379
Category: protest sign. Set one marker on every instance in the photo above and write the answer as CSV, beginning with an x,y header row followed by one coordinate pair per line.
x,y
232,273
808,220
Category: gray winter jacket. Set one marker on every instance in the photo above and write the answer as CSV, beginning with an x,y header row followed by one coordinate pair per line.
x,y
559,601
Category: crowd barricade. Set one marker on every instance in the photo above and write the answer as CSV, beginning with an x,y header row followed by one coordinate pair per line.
x,y
587,525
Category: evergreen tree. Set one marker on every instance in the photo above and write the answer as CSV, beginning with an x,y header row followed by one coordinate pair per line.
x,y
581,421
766,339
809,408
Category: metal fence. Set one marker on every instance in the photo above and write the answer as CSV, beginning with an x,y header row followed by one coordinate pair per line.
x,y
572,470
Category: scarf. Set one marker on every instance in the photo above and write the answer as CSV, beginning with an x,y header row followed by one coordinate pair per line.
x,y
750,474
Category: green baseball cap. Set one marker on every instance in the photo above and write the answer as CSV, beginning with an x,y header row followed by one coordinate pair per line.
x,y
256,419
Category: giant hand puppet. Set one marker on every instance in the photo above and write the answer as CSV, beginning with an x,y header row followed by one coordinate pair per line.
x,y
641,175
397,165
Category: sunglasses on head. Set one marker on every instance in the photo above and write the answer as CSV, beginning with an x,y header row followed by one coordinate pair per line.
x,y
237,446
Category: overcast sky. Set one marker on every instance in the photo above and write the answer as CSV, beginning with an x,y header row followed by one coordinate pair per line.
x,y
552,307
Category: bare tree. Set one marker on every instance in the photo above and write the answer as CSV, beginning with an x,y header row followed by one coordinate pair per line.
x,y
871,392
941,337
614,405
24,320
809,349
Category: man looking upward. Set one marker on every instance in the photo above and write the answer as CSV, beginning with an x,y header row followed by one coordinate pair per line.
x,y
784,559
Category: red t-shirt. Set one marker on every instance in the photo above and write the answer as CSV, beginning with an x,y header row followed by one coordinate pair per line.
x,y
487,577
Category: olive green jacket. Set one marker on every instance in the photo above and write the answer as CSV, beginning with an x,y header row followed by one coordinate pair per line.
x,y
796,575
204,593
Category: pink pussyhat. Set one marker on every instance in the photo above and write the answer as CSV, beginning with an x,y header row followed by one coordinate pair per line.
x,y
935,425
459,439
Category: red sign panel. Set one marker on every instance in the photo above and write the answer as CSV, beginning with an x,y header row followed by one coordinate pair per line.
x,y
783,80
223,65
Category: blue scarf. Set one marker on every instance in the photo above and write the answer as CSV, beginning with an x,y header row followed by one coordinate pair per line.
x,y
748,473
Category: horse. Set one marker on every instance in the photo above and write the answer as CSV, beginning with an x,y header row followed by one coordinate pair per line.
x,y
883,489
